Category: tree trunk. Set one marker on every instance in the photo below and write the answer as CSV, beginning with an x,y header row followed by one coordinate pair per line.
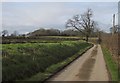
x,y
87,38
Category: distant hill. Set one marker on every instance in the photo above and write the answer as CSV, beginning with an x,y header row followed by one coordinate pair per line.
x,y
54,32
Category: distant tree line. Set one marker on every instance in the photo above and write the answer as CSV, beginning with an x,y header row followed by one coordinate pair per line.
x,y
5,33
46,32
53,32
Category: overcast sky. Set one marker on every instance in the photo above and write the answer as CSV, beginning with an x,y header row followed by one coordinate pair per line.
x,y
29,16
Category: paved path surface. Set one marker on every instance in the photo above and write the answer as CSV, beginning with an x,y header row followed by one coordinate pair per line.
x,y
89,67
99,72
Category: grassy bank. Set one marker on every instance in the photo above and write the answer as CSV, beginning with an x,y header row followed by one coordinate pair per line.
x,y
53,69
23,61
112,66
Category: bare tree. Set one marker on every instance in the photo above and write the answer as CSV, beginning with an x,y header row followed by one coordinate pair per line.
x,y
116,29
83,23
15,33
4,33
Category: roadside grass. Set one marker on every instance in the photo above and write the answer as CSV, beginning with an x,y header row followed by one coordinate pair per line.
x,y
112,66
21,61
50,71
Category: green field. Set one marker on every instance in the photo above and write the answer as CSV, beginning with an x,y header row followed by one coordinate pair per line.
x,y
40,39
33,60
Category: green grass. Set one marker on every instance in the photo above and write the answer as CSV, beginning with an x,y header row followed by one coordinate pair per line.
x,y
56,67
23,61
39,39
112,66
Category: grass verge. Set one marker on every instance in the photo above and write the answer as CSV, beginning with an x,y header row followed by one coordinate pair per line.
x,y
52,70
21,61
112,66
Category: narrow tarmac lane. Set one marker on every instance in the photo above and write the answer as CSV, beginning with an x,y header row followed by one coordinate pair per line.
x,y
89,67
